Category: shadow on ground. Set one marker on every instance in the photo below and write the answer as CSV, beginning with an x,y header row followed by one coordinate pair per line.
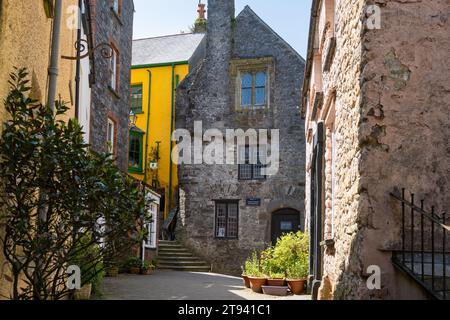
x,y
170,285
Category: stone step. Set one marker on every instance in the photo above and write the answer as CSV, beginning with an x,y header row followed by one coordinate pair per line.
x,y
178,258
174,254
170,245
182,263
186,268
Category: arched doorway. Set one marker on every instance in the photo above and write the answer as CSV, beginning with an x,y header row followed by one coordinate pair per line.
x,y
284,221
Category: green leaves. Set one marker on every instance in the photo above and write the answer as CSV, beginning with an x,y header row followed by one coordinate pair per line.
x,y
88,210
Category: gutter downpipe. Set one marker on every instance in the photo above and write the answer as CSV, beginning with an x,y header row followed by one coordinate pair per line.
x,y
147,133
54,56
172,104
78,67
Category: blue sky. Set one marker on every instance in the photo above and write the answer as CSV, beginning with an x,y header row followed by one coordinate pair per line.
x,y
289,18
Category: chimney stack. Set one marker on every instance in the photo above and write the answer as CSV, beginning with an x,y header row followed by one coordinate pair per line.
x,y
201,10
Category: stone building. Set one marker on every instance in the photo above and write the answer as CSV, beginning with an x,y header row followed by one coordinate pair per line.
x,y
376,103
245,76
110,106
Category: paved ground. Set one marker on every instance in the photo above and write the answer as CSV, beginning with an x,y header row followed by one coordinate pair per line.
x,y
170,285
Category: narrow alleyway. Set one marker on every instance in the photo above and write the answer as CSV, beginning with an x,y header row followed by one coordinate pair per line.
x,y
172,285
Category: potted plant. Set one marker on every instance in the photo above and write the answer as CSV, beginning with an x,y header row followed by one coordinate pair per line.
x,y
255,275
112,271
86,256
297,275
133,265
245,276
270,265
147,268
297,261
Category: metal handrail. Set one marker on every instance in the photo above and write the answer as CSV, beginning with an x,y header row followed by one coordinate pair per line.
x,y
420,225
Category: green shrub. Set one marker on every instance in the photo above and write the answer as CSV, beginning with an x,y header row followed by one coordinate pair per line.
x,y
252,267
291,254
148,266
133,262
86,255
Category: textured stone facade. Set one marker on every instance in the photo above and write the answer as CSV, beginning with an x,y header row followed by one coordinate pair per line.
x,y
115,29
386,101
208,95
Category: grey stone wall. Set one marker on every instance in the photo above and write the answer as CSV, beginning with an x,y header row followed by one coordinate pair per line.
x,y
111,28
206,95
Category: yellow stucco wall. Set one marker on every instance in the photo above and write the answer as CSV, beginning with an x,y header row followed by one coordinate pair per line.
x,y
160,121
25,34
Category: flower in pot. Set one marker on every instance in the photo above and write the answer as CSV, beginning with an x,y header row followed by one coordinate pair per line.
x,y
147,268
255,275
133,265
297,266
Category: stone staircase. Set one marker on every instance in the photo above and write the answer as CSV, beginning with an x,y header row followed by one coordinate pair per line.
x,y
173,256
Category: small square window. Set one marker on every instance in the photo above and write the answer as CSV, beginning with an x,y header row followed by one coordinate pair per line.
x,y
227,220
252,162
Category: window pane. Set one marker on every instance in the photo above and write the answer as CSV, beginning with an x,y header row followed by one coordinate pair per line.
x,y
232,220
221,223
261,79
135,152
136,98
260,98
246,97
245,171
247,80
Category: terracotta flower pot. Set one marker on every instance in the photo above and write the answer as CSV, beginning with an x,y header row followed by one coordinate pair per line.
x,y
84,293
276,282
112,272
146,272
135,270
297,286
246,282
257,283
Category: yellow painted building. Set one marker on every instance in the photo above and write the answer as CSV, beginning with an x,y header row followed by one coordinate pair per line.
x,y
25,41
159,65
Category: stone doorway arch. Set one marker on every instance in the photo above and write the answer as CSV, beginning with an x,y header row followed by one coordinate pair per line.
x,y
284,221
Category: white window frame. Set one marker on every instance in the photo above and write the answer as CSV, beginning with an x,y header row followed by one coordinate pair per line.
x,y
115,6
111,136
151,240
113,69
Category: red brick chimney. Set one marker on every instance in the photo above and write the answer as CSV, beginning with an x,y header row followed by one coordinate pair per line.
x,y
201,10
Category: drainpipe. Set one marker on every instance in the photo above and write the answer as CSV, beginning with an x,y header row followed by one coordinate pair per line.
x,y
172,105
54,56
78,67
147,133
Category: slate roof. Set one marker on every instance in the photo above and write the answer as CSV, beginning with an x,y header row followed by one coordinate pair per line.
x,y
166,49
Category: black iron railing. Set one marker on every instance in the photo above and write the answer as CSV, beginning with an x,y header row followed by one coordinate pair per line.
x,y
424,251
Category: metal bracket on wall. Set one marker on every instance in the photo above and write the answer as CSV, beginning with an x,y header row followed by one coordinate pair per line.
x,y
106,50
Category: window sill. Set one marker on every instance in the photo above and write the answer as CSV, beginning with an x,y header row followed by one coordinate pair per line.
x,y
136,171
138,112
117,15
114,92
